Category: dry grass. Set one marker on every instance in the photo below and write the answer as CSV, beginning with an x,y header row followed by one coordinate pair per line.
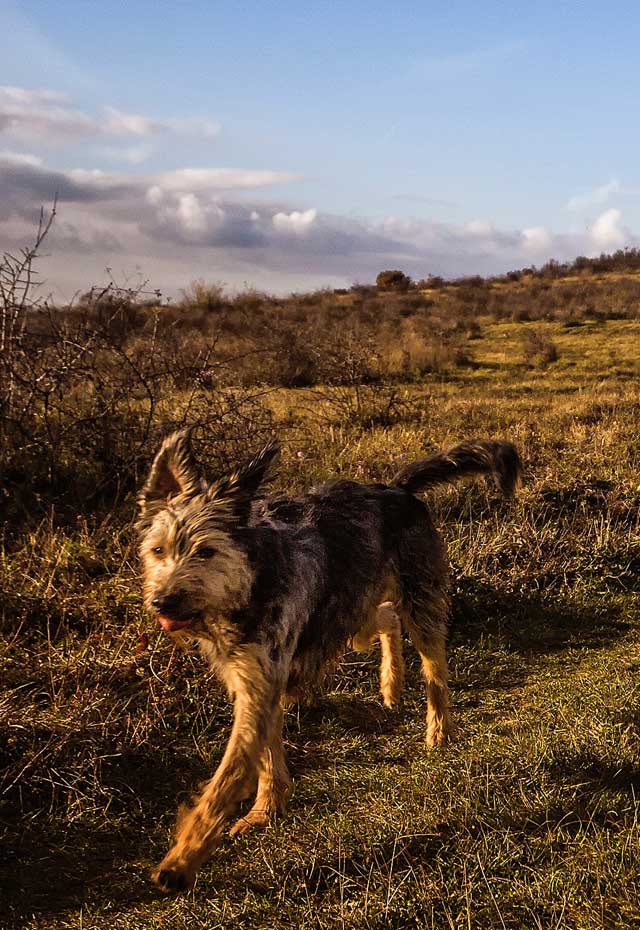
x,y
530,819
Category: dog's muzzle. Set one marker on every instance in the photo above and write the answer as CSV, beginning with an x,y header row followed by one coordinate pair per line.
x,y
172,614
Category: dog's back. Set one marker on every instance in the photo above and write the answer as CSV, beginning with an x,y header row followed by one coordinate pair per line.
x,y
366,544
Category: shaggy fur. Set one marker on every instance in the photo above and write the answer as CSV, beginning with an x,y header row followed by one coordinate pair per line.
x,y
275,589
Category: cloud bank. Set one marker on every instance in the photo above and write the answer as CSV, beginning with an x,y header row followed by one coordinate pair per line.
x,y
216,222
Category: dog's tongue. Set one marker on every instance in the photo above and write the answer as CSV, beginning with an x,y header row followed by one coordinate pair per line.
x,y
171,625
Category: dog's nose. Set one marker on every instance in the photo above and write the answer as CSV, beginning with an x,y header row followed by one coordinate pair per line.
x,y
169,603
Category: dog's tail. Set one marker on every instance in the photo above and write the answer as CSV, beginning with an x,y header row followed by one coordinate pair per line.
x,y
495,457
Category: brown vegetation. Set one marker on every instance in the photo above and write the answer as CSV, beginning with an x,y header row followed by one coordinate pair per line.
x,y
530,818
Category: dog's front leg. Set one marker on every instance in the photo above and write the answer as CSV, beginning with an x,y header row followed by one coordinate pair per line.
x,y
274,782
251,679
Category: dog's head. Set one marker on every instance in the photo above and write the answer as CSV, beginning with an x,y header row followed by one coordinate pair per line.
x,y
195,567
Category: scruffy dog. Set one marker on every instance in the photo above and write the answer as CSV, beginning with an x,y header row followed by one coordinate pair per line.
x,y
274,589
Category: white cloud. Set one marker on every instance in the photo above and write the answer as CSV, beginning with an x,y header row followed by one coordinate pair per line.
x,y
191,214
20,158
203,181
601,195
96,178
476,237
598,195
48,117
403,227
537,239
187,220
119,123
21,96
295,222
606,232
155,195
220,179
41,115
479,228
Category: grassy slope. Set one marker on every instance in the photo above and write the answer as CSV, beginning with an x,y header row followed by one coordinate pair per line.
x,y
528,820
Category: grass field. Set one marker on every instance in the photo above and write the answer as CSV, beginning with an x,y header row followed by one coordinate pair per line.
x,y
528,820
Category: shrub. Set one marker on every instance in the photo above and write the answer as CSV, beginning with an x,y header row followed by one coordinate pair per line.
x,y
205,296
85,398
393,281
538,349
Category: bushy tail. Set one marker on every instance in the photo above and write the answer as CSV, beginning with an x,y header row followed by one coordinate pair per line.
x,y
494,457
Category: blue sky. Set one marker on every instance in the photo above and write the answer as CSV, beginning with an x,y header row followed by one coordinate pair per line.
x,y
439,137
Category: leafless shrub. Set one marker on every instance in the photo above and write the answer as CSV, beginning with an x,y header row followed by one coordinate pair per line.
x,y
204,295
84,398
354,391
365,405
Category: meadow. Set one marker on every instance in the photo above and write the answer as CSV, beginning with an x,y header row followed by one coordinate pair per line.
x,y
530,817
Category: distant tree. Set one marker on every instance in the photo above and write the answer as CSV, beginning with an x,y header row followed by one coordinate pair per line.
x,y
433,281
582,263
393,281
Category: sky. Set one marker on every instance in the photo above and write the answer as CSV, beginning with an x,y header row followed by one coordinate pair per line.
x,y
288,146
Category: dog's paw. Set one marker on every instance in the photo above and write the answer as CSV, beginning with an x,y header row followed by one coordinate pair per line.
x,y
172,879
434,740
438,736
254,820
391,699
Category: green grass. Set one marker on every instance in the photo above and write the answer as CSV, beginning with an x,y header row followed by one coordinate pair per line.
x,y
528,820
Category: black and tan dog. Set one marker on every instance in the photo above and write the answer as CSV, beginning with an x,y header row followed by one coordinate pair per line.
x,y
275,588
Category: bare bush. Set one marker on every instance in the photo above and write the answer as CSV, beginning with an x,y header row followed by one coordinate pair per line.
x,y
205,296
84,398
364,405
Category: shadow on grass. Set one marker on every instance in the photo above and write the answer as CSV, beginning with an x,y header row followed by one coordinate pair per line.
x,y
593,796
530,625
49,867
50,873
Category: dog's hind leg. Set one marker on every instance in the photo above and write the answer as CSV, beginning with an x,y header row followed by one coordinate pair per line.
x,y
423,606
428,631
384,625
434,667
252,681
391,658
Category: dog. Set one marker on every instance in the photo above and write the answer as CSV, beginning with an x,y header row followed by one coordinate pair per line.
x,y
274,590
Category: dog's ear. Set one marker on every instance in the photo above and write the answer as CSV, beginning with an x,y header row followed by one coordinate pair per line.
x,y
173,472
238,489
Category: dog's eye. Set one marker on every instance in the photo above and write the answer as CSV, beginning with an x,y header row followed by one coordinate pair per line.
x,y
206,552
158,550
